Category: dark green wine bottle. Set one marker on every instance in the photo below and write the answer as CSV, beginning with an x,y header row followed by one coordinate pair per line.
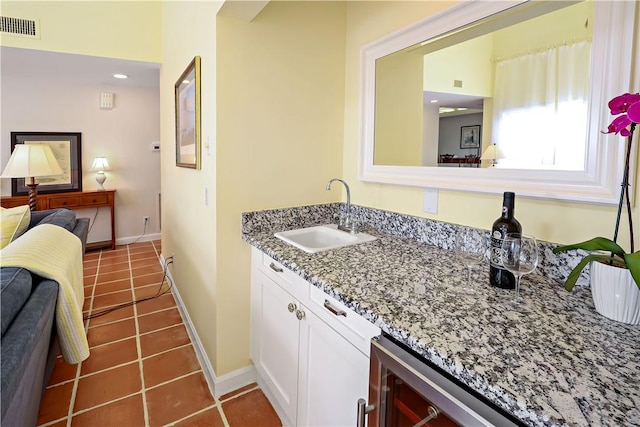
x,y
498,275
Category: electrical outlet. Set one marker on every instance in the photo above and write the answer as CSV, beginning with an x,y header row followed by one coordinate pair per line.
x,y
145,220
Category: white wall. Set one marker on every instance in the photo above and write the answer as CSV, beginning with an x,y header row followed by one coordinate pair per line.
x,y
449,137
122,134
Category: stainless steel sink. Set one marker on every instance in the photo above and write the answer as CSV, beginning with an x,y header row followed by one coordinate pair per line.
x,y
322,238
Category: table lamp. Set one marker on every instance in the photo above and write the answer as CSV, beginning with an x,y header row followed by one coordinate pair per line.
x,y
29,161
492,153
100,164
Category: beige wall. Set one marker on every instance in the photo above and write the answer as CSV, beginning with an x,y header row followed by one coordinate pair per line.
x,y
279,136
188,225
115,29
399,109
549,220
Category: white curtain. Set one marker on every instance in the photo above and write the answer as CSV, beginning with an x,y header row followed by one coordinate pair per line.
x,y
540,108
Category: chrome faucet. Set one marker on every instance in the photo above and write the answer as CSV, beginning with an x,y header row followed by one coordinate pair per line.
x,y
346,223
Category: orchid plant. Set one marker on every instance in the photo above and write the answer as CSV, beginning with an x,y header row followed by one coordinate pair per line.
x,y
627,109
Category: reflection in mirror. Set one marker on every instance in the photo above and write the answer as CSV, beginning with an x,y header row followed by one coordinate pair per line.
x,y
405,128
443,101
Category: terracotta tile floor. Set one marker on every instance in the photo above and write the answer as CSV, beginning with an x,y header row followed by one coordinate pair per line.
x,y
143,370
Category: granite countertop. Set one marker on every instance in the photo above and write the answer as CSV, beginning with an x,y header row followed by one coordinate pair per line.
x,y
559,363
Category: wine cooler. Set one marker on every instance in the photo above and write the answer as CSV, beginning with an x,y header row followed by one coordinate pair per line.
x,y
406,391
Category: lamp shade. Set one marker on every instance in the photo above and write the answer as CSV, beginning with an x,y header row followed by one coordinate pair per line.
x,y
31,160
100,164
492,152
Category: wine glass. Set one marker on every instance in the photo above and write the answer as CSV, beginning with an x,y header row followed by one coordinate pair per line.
x,y
519,256
471,247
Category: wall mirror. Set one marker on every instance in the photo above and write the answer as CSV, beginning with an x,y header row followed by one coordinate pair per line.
x,y
437,94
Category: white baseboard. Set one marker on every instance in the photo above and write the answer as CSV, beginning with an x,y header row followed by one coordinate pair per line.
x,y
217,385
234,380
137,239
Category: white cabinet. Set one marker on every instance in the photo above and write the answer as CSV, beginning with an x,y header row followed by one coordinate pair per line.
x,y
311,352
274,341
333,375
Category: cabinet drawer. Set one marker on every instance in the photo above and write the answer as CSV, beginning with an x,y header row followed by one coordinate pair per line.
x,y
63,202
290,281
94,199
12,202
355,328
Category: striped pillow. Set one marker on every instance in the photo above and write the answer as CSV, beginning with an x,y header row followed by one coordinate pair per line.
x,y
14,222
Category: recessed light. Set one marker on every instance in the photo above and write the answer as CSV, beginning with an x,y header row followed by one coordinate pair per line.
x,y
433,101
120,76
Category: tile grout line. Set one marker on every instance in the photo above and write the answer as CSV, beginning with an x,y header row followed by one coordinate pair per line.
x,y
120,365
133,336
76,382
139,346
225,422
124,290
126,318
257,387
172,423
100,405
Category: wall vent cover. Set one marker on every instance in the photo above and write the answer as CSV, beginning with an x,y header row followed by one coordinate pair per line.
x,y
20,27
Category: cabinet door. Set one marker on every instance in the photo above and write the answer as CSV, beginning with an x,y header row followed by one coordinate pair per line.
x,y
275,341
333,376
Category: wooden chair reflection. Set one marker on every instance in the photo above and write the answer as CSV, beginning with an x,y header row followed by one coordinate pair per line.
x,y
470,160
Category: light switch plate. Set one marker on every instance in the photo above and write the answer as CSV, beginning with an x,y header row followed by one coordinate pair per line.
x,y
430,200
106,100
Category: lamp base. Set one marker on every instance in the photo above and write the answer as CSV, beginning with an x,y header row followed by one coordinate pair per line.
x,y
33,194
100,179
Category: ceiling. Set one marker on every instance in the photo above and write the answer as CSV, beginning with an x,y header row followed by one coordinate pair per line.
x,y
471,104
46,65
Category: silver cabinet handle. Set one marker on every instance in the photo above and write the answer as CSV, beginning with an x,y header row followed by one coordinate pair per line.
x,y
363,409
275,268
291,307
433,414
300,314
334,310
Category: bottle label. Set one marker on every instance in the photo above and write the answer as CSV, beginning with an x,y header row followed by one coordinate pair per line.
x,y
495,252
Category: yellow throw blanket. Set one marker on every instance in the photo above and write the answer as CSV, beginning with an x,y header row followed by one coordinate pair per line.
x,y
54,253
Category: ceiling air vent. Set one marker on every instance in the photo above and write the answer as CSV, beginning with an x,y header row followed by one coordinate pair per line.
x,y
20,27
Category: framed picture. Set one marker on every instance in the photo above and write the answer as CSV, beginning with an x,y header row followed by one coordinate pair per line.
x,y
187,91
66,147
470,136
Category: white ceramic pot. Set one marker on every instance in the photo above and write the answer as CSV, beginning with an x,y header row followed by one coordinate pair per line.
x,y
615,294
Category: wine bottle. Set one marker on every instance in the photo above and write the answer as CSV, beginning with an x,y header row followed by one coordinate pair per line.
x,y
498,275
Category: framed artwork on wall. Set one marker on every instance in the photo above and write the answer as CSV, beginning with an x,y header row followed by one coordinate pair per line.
x,y
470,136
187,93
67,149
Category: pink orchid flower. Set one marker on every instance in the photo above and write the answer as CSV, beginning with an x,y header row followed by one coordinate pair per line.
x,y
621,103
634,112
626,103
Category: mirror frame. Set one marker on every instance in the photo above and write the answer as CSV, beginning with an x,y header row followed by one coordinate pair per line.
x,y
611,75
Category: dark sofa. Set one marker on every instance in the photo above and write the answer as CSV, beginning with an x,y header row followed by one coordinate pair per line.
x,y
29,345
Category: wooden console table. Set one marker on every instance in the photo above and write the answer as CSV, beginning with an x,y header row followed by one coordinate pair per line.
x,y
74,201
